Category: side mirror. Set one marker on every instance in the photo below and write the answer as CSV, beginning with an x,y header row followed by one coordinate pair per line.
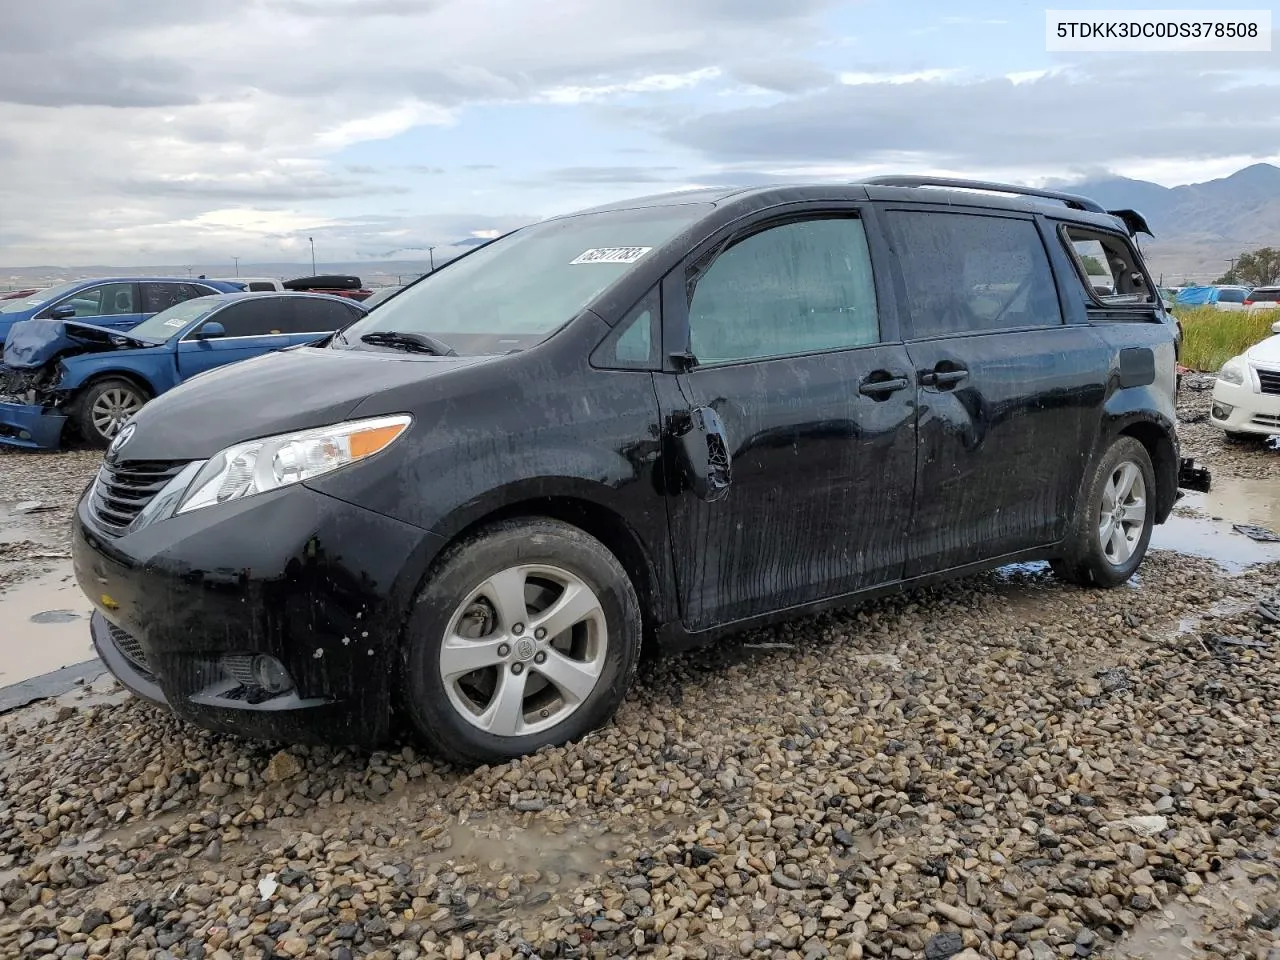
x,y
64,312
703,448
211,331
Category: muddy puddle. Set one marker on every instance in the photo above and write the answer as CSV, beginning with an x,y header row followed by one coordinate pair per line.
x,y
1182,931
1202,523
44,624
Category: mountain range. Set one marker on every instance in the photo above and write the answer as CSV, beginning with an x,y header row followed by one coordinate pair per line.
x,y
1198,228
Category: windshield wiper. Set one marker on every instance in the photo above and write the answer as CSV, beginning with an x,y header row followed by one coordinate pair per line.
x,y
410,342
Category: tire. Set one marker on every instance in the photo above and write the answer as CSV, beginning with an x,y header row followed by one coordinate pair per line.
x,y
99,400
1089,561
465,717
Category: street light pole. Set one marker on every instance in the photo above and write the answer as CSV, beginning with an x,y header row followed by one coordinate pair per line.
x,y
431,255
312,241
237,260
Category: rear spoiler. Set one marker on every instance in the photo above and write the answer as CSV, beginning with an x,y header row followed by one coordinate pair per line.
x,y
1133,221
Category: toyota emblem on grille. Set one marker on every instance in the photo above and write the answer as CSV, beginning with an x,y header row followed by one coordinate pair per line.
x,y
121,439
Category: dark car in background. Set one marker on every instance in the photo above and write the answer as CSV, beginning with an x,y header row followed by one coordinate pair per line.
x,y
664,420
120,303
96,378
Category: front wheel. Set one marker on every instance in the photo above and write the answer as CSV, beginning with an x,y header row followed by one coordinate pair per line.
x,y
1113,523
105,407
526,635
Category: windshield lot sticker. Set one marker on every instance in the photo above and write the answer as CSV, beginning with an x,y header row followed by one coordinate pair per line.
x,y
175,322
611,255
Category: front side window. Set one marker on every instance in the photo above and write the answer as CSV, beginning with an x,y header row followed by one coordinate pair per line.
x,y
800,287
966,273
250,318
516,291
1108,267
103,300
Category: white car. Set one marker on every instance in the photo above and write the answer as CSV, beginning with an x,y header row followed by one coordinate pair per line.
x,y
1263,298
1231,297
1246,395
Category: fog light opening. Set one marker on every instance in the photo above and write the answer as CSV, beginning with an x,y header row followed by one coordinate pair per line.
x,y
1220,411
270,675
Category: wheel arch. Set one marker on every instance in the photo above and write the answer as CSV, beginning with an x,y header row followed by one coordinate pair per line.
x,y
1162,448
588,514
111,373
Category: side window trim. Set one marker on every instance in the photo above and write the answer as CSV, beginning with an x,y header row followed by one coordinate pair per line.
x,y
677,290
908,319
1094,303
603,356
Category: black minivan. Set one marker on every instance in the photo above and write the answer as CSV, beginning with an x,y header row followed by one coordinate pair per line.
x,y
658,420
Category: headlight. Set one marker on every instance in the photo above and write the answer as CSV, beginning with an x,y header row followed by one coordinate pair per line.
x,y
261,465
1233,371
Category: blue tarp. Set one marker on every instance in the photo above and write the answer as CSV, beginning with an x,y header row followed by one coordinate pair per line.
x,y
1196,296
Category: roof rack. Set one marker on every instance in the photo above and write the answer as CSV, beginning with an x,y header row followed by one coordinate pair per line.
x,y
1070,199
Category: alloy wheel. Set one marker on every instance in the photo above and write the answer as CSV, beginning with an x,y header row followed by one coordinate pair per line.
x,y
524,650
112,408
1123,515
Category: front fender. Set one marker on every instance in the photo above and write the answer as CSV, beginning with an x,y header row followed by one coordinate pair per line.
x,y
77,372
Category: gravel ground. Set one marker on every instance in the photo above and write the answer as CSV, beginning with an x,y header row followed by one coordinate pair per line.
x,y
1003,767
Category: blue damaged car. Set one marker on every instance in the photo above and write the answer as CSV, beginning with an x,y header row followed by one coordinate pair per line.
x,y
120,303
64,373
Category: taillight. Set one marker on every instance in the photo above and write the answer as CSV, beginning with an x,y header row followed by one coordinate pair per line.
x,y
1247,301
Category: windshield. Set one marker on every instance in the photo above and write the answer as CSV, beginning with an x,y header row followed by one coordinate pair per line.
x,y
39,297
166,323
515,292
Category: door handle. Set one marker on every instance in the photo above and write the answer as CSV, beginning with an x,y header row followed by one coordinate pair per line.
x,y
942,378
880,389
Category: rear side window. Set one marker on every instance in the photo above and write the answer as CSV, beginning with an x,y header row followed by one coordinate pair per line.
x,y
161,296
966,273
302,315
251,318
261,286
1108,267
795,288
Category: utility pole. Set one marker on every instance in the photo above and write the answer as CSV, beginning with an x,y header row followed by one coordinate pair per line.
x,y
237,260
1232,271
312,241
431,256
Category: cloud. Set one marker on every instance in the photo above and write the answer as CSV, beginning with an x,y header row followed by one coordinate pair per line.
x,y
147,115
1100,111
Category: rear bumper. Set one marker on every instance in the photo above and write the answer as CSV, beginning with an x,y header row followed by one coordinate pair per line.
x,y
30,426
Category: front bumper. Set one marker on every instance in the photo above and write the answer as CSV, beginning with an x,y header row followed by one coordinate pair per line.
x,y
30,426
1251,410
318,584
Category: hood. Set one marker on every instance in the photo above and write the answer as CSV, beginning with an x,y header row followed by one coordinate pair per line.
x,y
271,394
1268,352
33,343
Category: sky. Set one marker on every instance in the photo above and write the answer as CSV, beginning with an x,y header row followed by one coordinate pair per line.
x,y
154,131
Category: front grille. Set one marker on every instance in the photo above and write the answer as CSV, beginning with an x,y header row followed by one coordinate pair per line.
x,y
130,648
1269,380
123,490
